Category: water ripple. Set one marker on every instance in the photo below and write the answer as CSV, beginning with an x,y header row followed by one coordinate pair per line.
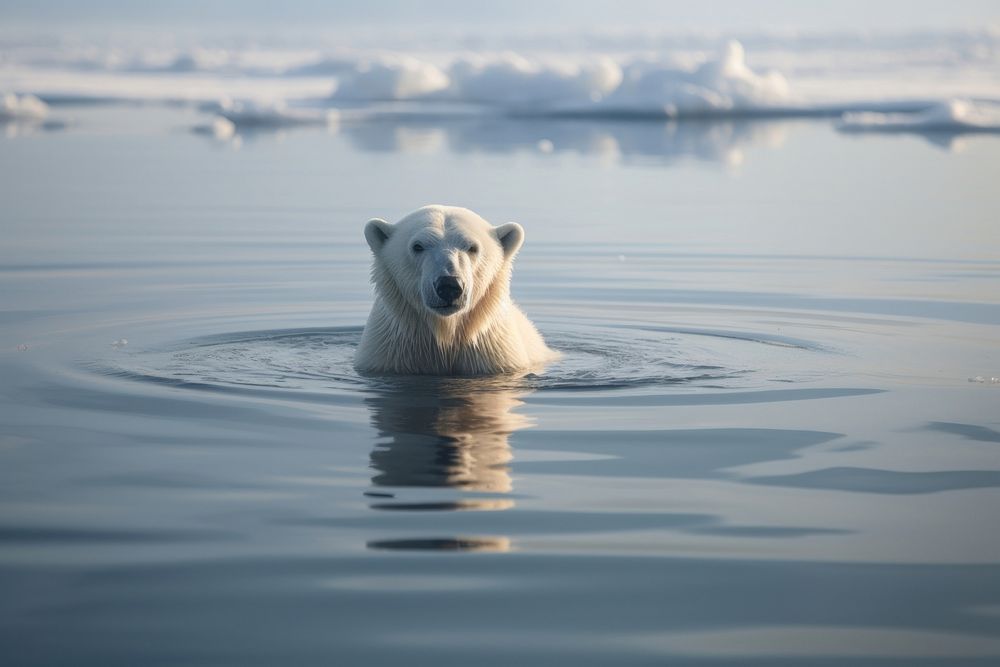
x,y
308,362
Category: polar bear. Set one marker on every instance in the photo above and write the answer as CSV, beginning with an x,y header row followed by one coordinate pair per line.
x,y
442,298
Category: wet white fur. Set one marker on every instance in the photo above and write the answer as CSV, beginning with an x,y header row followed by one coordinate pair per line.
x,y
486,334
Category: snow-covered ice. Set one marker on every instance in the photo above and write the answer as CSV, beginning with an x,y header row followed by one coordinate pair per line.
x,y
514,82
390,78
721,84
22,107
600,74
953,115
251,115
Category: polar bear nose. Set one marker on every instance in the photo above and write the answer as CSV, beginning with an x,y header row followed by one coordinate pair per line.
x,y
448,288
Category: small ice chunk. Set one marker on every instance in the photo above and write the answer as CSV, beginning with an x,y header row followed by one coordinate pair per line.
x,y
22,107
223,128
220,128
545,146
273,115
955,115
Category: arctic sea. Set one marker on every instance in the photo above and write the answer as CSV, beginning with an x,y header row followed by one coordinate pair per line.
x,y
774,437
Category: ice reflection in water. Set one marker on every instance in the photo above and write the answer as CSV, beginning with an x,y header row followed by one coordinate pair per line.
x,y
612,141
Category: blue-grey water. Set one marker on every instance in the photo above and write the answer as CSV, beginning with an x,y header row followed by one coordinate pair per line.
x,y
774,437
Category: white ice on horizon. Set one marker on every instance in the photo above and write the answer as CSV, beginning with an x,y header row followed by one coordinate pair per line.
x,y
390,78
652,72
22,107
516,83
724,84
513,81
954,115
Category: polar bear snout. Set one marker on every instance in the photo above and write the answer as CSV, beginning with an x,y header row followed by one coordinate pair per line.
x,y
446,295
449,289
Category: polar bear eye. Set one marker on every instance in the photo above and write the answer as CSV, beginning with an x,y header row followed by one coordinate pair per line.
x,y
417,247
473,249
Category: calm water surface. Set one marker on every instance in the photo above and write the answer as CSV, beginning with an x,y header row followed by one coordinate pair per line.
x,y
773,439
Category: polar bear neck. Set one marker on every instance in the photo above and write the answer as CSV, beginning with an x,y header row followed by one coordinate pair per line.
x,y
466,329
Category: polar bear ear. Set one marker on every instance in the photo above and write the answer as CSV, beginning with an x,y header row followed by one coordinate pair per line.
x,y
511,236
377,232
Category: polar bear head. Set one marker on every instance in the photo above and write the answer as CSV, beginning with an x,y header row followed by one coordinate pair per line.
x,y
442,262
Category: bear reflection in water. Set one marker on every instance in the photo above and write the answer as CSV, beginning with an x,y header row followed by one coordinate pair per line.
x,y
446,432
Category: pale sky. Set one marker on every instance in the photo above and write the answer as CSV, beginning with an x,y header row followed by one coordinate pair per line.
x,y
711,15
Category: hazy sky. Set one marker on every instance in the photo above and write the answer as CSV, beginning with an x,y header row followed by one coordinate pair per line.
x,y
718,15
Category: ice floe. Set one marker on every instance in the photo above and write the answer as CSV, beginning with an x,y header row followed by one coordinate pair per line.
x,y
391,78
15,107
513,81
510,82
724,84
955,115
274,115
649,73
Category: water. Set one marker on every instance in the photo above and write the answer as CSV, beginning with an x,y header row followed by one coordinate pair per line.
x,y
762,445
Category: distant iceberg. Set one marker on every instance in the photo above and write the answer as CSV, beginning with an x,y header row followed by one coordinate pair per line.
x,y
725,85
515,82
599,86
955,116
390,78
